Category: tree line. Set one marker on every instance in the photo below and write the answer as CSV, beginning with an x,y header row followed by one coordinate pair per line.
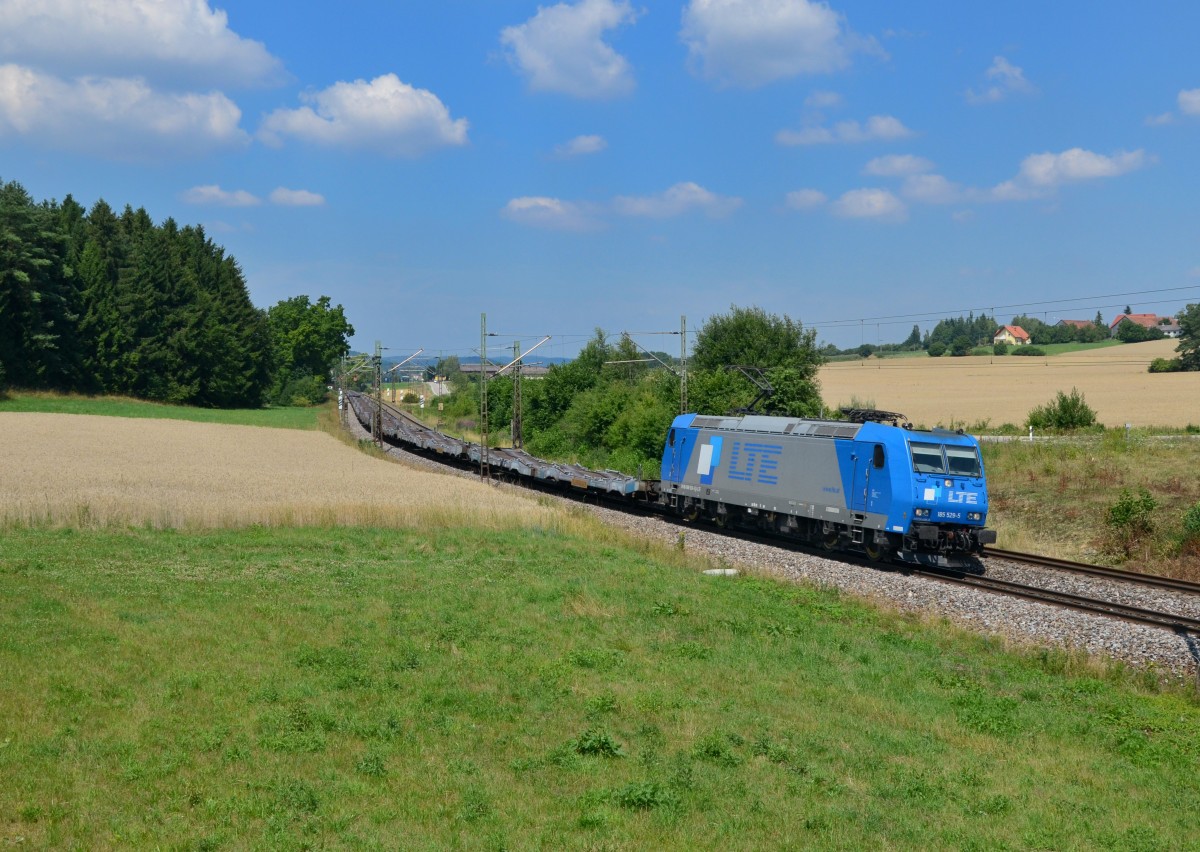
x,y
96,302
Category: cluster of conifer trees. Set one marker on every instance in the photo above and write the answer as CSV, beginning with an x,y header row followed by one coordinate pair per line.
x,y
96,302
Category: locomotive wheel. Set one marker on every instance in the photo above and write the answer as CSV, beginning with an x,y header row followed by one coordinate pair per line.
x,y
721,521
829,540
877,552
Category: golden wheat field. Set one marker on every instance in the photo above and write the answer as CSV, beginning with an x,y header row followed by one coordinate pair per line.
x,y
967,391
85,470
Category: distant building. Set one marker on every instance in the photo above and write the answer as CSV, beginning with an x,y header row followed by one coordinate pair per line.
x,y
1145,321
1013,335
1076,323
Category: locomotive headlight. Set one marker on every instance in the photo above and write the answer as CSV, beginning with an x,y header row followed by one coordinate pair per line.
x,y
921,513
974,516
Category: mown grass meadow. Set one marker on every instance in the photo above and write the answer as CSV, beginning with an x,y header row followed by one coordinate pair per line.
x,y
301,688
110,406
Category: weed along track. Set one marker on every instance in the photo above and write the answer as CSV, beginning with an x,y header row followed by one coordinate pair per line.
x,y
1138,620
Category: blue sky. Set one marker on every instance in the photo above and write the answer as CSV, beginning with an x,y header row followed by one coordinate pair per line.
x,y
859,166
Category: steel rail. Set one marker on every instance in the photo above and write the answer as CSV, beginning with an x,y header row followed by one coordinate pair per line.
x,y
1153,580
1094,606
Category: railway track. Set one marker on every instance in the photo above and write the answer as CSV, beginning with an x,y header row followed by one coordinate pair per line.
x,y
1183,624
609,484
1168,583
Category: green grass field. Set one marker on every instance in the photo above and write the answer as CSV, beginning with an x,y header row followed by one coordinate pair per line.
x,y
281,418
310,688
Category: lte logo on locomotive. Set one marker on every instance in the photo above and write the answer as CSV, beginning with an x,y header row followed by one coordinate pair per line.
x,y
748,461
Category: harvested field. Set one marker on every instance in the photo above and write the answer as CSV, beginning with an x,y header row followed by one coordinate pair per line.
x,y
967,391
89,471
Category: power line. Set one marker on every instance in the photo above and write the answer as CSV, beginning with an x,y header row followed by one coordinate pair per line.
x,y
942,313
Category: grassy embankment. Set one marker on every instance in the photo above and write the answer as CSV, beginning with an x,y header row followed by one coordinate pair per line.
x,y
306,687
1054,497
545,684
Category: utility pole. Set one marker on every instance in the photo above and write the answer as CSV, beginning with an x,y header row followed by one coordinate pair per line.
x,y
518,440
683,365
485,466
377,417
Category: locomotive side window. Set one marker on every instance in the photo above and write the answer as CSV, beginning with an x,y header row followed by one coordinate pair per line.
x,y
927,458
671,438
964,461
878,459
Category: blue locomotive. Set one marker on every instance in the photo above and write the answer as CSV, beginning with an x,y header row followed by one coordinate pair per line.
x,y
868,484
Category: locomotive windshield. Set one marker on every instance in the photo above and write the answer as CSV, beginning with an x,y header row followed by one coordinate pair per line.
x,y
964,461
957,461
927,458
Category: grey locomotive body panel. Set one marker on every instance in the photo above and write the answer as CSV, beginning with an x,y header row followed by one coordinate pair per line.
x,y
772,472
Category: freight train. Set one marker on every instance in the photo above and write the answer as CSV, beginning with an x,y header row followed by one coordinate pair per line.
x,y
870,483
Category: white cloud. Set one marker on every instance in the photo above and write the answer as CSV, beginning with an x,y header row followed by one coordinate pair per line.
x,y
581,145
384,115
680,199
296,197
753,42
675,201
165,40
213,194
562,49
553,213
823,100
877,127
897,165
119,117
1189,102
1040,174
1005,78
934,189
1161,119
870,204
806,199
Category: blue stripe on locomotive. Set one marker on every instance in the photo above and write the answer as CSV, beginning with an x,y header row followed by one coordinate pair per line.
x,y
677,457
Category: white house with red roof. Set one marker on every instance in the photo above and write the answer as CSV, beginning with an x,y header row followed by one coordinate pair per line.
x,y
1013,335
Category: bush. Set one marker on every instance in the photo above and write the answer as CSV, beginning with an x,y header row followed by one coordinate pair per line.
x,y
937,349
1065,412
1191,524
999,348
302,390
1166,365
1028,350
1130,520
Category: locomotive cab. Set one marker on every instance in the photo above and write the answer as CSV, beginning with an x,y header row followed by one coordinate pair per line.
x,y
949,502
